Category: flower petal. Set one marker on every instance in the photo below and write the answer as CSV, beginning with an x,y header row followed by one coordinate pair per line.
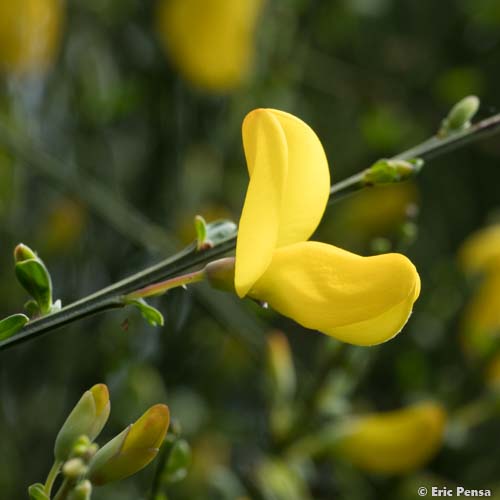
x,y
360,300
288,190
307,184
266,154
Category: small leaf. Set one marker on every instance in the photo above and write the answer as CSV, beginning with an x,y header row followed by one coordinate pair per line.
x,y
31,308
23,252
11,325
221,230
35,278
200,227
149,313
37,492
387,171
460,116
178,462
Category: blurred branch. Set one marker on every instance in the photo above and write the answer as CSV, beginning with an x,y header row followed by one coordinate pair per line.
x,y
139,229
427,150
308,406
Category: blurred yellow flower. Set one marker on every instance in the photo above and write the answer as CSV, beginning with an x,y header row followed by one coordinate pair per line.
x,y
210,41
371,213
480,254
481,321
481,251
63,227
396,441
131,450
493,373
30,32
360,300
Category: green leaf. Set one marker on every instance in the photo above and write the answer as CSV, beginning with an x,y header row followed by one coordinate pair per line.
x,y
37,492
178,462
11,325
35,278
221,230
23,252
387,171
200,226
149,313
460,115
32,309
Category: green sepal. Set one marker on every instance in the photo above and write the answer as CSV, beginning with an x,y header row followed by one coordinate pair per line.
x,y
387,171
37,492
178,462
149,313
35,279
11,325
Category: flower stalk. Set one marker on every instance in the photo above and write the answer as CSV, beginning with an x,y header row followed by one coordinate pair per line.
x,y
51,477
147,234
164,286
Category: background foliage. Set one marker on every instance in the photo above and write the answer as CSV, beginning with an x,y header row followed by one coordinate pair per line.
x,y
372,77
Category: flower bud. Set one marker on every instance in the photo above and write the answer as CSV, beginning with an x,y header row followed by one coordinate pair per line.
x,y
37,492
23,252
132,449
460,115
387,171
34,277
82,491
179,460
74,468
87,418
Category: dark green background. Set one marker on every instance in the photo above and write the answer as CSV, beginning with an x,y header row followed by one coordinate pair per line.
x,y
372,77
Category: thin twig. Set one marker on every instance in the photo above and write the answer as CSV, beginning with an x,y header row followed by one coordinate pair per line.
x,y
119,213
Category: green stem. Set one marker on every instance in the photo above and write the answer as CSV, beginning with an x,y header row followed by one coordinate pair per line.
x,y
427,150
53,473
129,222
477,411
64,490
309,404
164,286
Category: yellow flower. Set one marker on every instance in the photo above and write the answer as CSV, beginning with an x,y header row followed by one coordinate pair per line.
x,y
210,41
360,300
29,34
132,449
481,251
480,254
394,442
481,322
